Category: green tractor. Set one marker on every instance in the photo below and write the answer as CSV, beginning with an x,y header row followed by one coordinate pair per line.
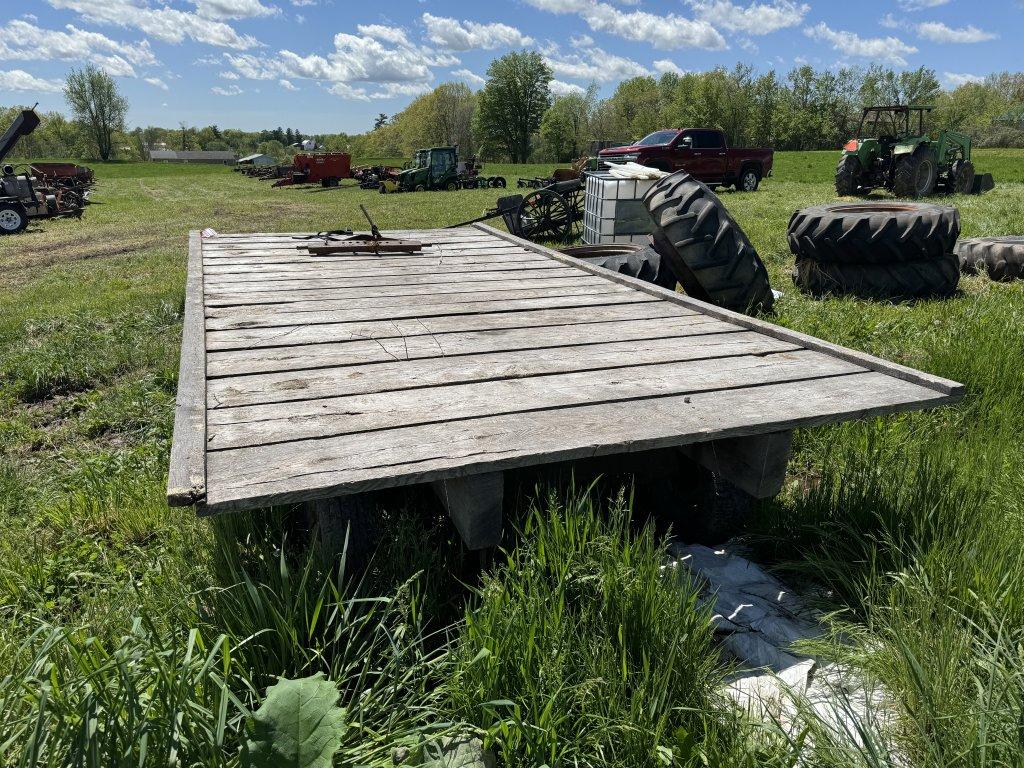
x,y
434,168
888,154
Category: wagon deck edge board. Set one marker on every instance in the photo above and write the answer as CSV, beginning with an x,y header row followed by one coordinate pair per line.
x,y
192,457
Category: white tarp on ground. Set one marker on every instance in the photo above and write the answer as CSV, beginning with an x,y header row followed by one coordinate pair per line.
x,y
757,619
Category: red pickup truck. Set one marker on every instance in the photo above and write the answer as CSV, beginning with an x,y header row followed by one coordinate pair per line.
x,y
702,152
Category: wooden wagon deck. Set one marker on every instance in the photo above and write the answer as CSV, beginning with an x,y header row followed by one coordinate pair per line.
x,y
309,377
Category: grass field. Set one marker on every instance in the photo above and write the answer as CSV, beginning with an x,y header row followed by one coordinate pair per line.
x,y
132,633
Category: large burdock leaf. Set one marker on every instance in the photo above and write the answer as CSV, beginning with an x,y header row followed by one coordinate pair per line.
x,y
299,725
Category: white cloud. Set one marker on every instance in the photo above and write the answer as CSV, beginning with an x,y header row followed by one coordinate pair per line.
x,y
156,82
938,32
955,79
453,35
167,24
596,65
890,50
20,80
667,32
21,40
559,88
231,90
753,19
470,77
387,34
748,45
228,75
667,66
890,22
303,3
233,9
581,41
917,5
287,85
393,70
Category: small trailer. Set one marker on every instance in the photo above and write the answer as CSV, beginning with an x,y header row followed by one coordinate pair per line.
x,y
315,378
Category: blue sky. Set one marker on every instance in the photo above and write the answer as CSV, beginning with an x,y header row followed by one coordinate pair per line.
x,y
332,65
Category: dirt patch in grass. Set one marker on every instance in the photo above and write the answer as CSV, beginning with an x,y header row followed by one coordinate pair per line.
x,y
26,262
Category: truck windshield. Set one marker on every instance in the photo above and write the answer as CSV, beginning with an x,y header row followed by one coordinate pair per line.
x,y
658,137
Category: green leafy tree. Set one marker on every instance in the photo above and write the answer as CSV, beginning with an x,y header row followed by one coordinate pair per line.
x,y
513,101
93,97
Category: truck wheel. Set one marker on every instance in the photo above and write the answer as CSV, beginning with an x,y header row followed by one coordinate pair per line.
x,y
641,262
961,177
846,176
1001,257
916,174
705,249
925,278
451,186
13,218
420,188
748,180
873,232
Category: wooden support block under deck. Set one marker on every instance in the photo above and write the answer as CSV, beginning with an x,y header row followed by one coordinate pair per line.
x,y
474,503
753,463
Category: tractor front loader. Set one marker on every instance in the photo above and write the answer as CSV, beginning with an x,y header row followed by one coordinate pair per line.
x,y
890,152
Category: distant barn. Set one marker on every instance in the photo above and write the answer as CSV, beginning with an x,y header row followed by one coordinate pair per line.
x,y
258,160
188,156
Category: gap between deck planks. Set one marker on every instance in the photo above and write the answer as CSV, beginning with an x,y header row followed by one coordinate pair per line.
x,y
290,472
298,420
382,349
392,375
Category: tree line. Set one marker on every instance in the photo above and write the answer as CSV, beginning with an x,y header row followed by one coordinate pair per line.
x,y
516,117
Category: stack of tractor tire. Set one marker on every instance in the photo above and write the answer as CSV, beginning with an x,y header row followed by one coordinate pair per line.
x,y
876,250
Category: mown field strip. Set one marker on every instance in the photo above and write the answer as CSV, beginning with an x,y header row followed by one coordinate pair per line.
x,y
453,345
253,338
241,426
288,472
394,375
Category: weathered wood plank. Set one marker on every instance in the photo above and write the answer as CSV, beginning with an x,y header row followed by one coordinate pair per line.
x,y
433,371
328,267
755,463
252,296
312,278
289,472
239,321
252,338
299,248
313,356
293,256
186,474
325,417
937,383
474,503
373,308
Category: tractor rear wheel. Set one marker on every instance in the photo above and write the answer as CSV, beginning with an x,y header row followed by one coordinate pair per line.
x,y
846,176
13,218
705,248
1001,257
916,174
961,177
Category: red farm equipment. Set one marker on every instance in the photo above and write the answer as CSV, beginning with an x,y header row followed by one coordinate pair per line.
x,y
324,168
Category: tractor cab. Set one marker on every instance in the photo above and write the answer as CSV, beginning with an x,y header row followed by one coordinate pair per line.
x,y
893,151
434,168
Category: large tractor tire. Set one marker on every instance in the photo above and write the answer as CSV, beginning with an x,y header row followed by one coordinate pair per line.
x,y
916,174
705,249
874,232
1002,258
847,173
926,278
641,262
